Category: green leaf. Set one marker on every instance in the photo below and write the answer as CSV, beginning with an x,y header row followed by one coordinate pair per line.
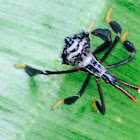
x,y
33,32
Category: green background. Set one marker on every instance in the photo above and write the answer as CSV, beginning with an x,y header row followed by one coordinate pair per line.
x,y
32,32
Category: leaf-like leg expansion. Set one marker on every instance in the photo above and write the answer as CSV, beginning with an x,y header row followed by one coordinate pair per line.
x,y
33,71
105,35
117,29
72,99
114,25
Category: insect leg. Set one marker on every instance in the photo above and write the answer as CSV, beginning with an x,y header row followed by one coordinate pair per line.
x,y
114,25
117,29
33,71
72,99
104,34
129,85
110,48
101,107
129,47
127,94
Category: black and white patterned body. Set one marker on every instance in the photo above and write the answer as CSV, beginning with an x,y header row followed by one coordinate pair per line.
x,y
77,53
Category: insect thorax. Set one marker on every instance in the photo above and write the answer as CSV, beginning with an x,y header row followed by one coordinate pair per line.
x,y
76,52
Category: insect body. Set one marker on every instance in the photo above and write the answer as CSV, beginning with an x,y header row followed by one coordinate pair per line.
x,y
76,52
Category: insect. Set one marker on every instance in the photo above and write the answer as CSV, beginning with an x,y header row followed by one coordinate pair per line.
x,y
76,52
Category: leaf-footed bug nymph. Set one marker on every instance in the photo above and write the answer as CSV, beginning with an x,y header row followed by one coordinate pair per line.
x,y
76,52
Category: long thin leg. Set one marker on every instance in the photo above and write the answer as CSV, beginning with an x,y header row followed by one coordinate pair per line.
x,y
122,62
111,48
129,85
101,107
72,99
129,47
127,94
32,71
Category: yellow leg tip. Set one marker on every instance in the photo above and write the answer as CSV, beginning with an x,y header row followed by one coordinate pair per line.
x,y
20,66
57,104
94,105
108,15
110,10
124,35
91,26
137,101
